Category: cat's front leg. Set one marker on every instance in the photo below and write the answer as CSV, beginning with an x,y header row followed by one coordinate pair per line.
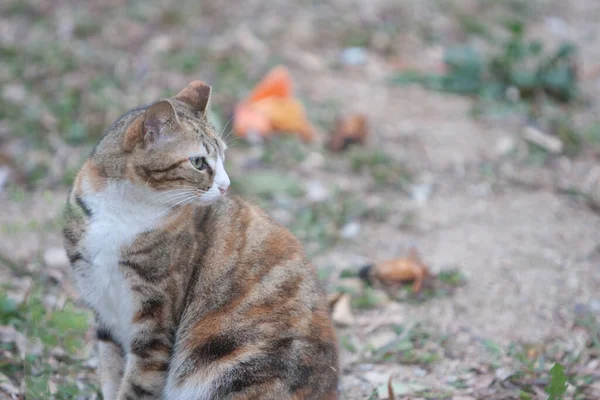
x,y
145,370
112,364
147,360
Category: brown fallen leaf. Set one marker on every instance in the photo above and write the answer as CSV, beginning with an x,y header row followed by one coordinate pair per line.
x,y
398,270
342,310
348,131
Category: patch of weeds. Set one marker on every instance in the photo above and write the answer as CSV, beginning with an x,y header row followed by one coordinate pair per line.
x,y
415,346
171,17
50,59
369,298
137,11
536,155
591,324
379,213
357,37
36,173
52,337
323,274
69,175
565,130
67,107
267,184
492,347
383,168
409,220
283,151
592,133
515,64
459,384
534,364
348,273
232,75
436,394
557,386
19,7
186,61
347,343
86,27
452,277
16,194
322,114
321,222
517,76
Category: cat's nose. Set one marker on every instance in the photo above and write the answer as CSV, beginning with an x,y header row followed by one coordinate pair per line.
x,y
223,188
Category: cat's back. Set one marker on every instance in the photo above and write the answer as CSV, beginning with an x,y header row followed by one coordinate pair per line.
x,y
256,306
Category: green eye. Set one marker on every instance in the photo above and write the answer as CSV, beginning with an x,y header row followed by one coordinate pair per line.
x,y
199,163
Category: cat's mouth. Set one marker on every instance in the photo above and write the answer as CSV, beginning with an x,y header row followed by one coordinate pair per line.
x,y
208,198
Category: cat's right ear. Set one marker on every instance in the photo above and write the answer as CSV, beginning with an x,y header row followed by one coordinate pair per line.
x,y
148,127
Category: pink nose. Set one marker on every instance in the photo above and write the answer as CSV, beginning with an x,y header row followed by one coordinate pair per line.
x,y
223,189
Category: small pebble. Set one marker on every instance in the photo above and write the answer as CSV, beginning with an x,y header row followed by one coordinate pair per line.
x,y
56,257
350,230
354,56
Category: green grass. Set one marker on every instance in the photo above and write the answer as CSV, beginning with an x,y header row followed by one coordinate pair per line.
x,y
515,63
384,170
49,357
416,345
284,151
321,222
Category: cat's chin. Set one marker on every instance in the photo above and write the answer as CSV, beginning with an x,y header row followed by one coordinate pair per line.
x,y
203,202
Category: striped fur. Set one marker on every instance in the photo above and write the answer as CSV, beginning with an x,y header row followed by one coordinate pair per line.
x,y
197,295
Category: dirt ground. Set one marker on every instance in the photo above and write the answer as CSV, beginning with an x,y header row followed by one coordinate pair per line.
x,y
519,231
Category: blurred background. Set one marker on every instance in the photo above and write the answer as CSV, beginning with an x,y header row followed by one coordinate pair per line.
x,y
470,132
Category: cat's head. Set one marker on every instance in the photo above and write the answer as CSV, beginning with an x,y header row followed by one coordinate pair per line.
x,y
172,149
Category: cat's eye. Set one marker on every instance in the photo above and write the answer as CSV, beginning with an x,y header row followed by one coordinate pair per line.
x,y
199,163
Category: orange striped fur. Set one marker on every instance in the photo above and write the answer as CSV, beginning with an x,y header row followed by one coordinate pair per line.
x,y
198,295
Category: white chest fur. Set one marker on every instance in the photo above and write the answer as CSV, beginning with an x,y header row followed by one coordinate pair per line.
x,y
119,213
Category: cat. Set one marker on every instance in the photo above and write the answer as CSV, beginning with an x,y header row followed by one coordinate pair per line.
x,y
197,294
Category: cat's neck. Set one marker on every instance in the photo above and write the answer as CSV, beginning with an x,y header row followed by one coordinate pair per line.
x,y
139,207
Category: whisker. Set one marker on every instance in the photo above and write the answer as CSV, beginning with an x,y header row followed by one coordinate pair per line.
x,y
176,205
171,199
225,127
165,200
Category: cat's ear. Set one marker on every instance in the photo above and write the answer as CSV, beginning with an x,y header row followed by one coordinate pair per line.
x,y
196,94
148,127
155,119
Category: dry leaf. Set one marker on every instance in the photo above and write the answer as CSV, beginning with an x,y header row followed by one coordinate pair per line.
x,y
248,121
342,311
277,83
399,270
348,131
271,108
286,115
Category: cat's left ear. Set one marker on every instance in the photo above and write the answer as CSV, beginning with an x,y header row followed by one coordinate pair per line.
x,y
150,126
196,94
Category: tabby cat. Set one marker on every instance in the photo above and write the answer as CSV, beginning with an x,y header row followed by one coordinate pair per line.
x,y
197,295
